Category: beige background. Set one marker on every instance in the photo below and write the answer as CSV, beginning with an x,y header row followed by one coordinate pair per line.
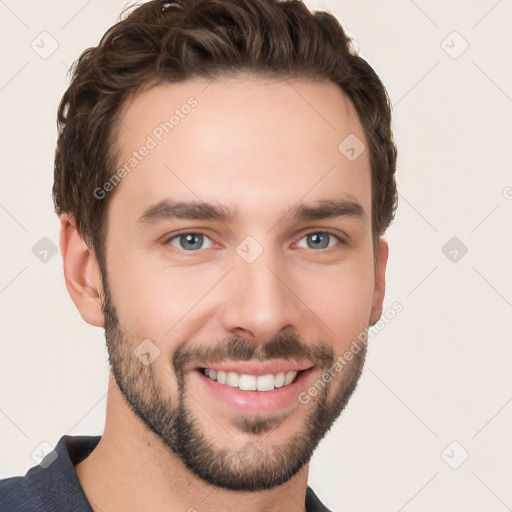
x,y
438,373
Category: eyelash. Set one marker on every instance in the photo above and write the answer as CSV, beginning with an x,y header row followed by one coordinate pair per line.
x,y
177,236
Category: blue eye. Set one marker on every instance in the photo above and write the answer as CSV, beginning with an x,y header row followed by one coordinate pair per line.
x,y
190,241
319,240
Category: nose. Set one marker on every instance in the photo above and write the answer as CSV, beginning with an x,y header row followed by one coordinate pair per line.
x,y
260,301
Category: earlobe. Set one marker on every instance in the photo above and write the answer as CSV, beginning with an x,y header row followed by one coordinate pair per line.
x,y
380,281
81,272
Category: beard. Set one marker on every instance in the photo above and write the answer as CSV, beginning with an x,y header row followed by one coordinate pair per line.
x,y
256,465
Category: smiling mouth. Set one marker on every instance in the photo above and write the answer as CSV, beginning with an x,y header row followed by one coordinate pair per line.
x,y
249,382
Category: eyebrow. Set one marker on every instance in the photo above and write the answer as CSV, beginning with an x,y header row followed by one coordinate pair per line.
x,y
197,210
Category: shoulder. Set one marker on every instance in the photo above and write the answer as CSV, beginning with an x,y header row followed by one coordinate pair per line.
x,y
51,485
16,495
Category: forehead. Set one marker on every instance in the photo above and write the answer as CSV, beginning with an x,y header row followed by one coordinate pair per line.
x,y
245,143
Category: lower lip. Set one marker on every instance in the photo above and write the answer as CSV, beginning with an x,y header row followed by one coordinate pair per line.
x,y
255,402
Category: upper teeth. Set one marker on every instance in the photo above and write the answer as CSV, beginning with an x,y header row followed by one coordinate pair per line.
x,y
251,382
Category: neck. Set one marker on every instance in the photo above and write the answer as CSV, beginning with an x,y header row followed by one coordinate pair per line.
x,y
131,469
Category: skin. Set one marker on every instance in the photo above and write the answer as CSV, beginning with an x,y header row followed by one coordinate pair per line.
x,y
260,146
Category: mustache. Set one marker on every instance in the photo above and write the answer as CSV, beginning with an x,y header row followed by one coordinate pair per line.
x,y
286,347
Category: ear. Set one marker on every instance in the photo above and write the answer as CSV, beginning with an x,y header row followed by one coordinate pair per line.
x,y
81,272
380,281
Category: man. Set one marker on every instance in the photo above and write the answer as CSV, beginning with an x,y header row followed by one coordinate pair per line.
x,y
224,174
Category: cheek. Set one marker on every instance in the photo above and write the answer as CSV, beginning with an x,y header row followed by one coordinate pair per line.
x,y
341,296
156,300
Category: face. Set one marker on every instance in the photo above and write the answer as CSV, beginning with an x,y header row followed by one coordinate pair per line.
x,y
239,241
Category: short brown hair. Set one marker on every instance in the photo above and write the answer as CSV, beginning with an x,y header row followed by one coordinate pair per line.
x,y
172,42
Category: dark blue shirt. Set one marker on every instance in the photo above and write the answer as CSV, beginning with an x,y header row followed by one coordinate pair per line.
x,y
52,485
